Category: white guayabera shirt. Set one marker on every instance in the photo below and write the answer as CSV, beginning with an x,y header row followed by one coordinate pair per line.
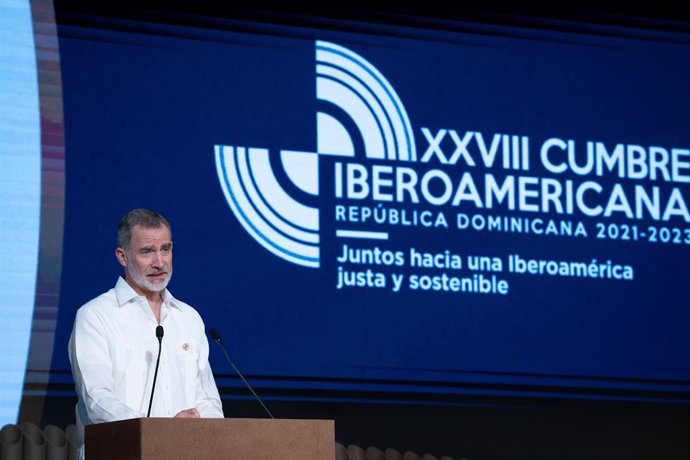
x,y
113,350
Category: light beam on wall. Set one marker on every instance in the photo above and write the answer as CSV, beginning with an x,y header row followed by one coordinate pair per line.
x,y
20,197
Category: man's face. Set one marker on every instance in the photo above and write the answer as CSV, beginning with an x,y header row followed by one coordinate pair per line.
x,y
148,260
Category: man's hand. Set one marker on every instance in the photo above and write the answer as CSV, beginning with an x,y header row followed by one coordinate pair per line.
x,y
188,413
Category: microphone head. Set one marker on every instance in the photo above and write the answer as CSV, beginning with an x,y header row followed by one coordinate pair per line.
x,y
159,332
214,334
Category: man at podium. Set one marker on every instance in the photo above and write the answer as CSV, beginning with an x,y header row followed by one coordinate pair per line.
x,y
136,350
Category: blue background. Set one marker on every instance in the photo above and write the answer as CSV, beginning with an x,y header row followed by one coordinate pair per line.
x,y
143,109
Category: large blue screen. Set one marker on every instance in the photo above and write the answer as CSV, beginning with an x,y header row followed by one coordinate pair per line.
x,y
396,211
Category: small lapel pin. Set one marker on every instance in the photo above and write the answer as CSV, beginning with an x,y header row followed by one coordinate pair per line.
x,y
185,346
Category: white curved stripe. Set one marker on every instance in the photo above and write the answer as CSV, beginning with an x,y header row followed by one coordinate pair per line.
x,y
20,195
264,211
376,88
345,98
373,102
289,209
303,169
239,182
380,86
271,240
332,137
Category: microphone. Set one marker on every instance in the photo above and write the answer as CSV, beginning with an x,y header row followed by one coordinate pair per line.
x,y
216,338
159,336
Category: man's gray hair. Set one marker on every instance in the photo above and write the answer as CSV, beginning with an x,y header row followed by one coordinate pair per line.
x,y
144,217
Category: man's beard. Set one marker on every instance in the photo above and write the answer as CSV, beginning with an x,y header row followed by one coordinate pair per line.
x,y
148,285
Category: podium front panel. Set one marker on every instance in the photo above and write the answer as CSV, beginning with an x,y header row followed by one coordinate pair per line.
x,y
230,438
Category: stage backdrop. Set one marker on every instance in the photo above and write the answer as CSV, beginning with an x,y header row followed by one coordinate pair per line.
x,y
391,213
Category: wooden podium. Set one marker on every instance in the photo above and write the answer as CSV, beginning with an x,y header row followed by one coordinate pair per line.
x,y
228,438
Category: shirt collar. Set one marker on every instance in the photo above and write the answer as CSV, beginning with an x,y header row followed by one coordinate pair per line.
x,y
124,294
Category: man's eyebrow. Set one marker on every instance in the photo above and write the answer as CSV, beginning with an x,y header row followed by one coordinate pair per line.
x,y
152,247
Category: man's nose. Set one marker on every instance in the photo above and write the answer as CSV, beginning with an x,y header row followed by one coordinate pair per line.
x,y
157,258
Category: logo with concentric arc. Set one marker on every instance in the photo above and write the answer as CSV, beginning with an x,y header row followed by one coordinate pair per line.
x,y
355,89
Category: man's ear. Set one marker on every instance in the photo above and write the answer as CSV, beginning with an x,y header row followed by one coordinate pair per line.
x,y
121,257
